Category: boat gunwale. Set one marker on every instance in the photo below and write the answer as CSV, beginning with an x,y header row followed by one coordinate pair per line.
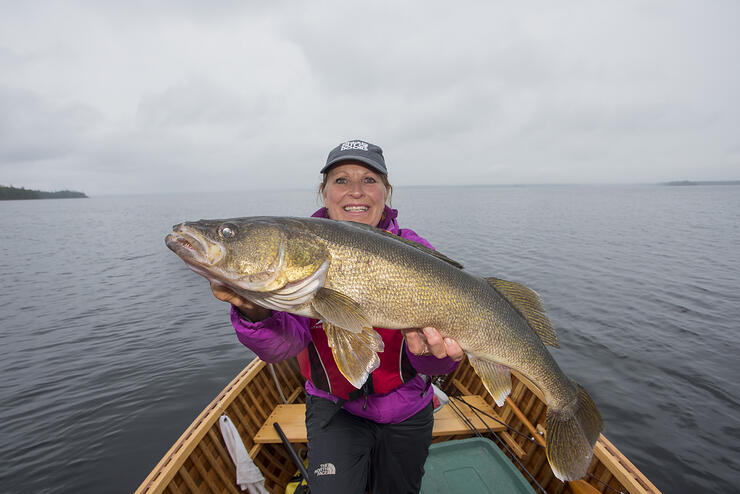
x,y
622,468
167,467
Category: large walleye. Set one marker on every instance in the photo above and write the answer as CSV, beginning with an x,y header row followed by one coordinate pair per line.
x,y
354,277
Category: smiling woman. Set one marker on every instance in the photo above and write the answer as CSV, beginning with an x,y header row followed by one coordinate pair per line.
x,y
357,429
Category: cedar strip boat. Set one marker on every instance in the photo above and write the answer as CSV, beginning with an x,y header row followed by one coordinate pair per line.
x,y
198,462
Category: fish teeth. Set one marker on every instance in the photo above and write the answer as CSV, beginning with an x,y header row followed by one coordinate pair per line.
x,y
182,241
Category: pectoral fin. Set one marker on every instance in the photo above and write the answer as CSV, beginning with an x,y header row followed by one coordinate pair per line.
x,y
340,310
528,304
496,378
356,354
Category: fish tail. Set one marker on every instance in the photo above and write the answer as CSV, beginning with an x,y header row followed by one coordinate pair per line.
x,y
572,432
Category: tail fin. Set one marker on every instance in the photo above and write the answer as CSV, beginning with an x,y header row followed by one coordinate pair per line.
x,y
571,434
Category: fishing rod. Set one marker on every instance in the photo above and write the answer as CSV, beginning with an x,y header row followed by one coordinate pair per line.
x,y
511,429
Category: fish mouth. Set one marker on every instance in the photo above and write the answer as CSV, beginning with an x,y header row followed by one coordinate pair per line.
x,y
204,256
192,247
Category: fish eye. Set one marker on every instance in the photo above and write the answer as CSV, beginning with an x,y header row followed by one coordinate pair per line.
x,y
227,231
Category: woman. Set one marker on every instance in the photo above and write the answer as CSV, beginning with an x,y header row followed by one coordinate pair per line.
x,y
378,435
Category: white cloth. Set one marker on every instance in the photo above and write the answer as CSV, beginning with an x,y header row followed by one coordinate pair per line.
x,y
442,398
248,476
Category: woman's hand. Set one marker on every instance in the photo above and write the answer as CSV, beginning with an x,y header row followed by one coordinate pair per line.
x,y
428,341
248,309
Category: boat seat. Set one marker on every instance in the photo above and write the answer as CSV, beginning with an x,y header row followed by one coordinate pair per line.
x,y
292,419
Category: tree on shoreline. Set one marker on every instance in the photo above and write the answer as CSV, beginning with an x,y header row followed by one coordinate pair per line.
x,y
15,193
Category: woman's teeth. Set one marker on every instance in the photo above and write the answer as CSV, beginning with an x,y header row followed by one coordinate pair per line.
x,y
355,208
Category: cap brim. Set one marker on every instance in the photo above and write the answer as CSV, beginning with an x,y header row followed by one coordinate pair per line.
x,y
362,159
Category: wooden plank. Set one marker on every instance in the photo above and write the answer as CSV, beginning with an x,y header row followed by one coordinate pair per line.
x,y
292,419
582,487
461,387
529,384
523,418
209,477
622,469
514,446
447,422
295,394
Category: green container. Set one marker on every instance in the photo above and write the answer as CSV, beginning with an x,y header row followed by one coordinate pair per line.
x,y
472,465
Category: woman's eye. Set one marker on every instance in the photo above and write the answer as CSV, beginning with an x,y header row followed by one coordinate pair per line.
x,y
369,180
341,180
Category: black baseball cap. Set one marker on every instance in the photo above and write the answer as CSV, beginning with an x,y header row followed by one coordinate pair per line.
x,y
361,151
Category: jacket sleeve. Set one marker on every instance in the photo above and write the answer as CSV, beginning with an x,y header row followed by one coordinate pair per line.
x,y
427,364
431,365
276,338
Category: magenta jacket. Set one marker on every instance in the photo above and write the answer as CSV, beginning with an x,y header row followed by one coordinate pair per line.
x,y
284,335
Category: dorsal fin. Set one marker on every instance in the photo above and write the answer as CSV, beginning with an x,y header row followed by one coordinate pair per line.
x,y
528,304
408,242
423,248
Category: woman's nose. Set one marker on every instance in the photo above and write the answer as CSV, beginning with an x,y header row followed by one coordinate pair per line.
x,y
356,189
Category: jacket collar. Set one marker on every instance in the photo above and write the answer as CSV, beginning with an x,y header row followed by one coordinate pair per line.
x,y
387,221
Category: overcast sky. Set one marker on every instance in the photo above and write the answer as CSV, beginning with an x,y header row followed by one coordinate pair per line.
x,y
137,96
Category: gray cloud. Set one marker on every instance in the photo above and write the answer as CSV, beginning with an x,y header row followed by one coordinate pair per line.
x,y
33,128
118,97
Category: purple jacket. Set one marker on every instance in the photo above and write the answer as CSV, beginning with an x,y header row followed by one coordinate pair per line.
x,y
284,335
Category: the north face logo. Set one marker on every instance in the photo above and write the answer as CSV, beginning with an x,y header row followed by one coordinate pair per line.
x,y
362,146
325,469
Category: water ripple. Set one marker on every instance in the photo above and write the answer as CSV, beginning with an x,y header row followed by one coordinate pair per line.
x,y
111,346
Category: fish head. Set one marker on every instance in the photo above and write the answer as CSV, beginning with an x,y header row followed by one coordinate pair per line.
x,y
252,254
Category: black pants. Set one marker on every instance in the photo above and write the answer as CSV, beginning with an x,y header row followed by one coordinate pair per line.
x,y
347,454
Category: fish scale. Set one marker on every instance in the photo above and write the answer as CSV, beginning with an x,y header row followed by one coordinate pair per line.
x,y
355,277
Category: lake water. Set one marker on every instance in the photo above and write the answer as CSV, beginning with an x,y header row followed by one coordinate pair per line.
x,y
110,346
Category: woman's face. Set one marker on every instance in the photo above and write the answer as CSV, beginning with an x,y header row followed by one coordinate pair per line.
x,y
354,193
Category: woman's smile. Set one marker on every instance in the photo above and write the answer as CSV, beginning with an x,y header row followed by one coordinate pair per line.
x,y
354,193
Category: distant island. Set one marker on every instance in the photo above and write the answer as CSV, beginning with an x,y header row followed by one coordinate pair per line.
x,y
14,193
711,182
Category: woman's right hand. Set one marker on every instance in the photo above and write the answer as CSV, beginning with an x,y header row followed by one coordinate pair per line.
x,y
248,309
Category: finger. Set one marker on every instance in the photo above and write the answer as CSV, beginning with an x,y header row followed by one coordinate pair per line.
x,y
225,294
454,351
221,292
415,341
435,342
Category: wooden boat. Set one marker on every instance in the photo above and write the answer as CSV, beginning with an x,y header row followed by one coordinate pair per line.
x,y
261,394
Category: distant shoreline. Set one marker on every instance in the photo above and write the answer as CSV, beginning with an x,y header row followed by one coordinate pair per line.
x,y
709,182
15,193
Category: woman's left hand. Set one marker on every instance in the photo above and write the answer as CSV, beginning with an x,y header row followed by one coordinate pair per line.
x,y
428,341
